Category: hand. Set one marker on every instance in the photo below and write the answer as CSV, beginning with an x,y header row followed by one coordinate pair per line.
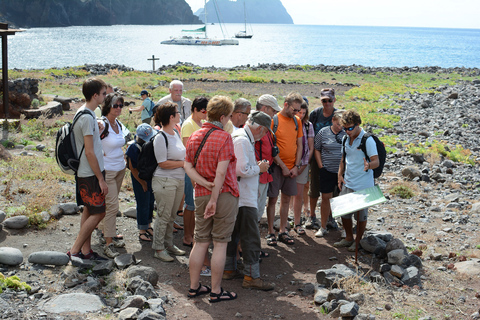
x,y
210,209
144,185
263,166
294,172
340,182
366,165
103,187
101,126
285,172
302,168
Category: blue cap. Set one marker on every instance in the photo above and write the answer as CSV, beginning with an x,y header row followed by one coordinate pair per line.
x,y
144,92
145,132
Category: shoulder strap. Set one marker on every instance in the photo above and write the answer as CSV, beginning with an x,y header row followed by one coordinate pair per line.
x,y
275,123
164,137
363,145
77,116
296,123
197,154
104,133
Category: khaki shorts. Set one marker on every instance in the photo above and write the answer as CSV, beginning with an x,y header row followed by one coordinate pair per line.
x,y
218,228
360,215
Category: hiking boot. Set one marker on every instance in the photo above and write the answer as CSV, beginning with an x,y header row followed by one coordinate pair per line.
x,y
332,223
343,244
353,246
257,284
110,251
75,255
118,243
174,250
163,255
94,256
230,275
321,232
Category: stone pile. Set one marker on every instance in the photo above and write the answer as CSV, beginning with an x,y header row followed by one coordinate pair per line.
x,y
22,92
98,69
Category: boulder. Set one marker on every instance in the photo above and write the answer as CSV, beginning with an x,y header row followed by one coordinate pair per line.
x,y
156,305
374,245
52,109
17,222
349,309
10,256
411,277
321,295
129,314
69,208
131,212
104,268
150,315
3,215
396,256
125,260
74,302
395,244
147,290
146,273
54,258
411,173
133,302
328,277
470,267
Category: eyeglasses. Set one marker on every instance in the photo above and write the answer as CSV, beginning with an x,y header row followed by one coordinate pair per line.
x,y
327,100
350,128
115,106
296,110
246,113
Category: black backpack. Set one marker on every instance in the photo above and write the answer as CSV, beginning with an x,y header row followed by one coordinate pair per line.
x,y
65,148
275,123
382,152
147,162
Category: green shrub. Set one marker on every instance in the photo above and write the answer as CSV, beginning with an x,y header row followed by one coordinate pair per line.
x,y
402,191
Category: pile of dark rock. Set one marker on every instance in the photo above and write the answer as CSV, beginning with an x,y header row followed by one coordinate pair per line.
x,y
393,266
99,69
21,93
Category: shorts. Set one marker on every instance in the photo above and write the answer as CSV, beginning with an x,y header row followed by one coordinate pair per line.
x,y
287,185
314,191
328,180
218,228
303,178
360,215
91,194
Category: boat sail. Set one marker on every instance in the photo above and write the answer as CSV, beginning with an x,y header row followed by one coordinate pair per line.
x,y
198,37
243,33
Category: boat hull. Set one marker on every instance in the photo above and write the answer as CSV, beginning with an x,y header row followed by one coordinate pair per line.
x,y
201,42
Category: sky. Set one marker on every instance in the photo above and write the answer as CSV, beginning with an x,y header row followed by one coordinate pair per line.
x,y
404,13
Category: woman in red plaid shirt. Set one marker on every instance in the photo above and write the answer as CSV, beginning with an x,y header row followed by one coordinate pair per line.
x,y
210,162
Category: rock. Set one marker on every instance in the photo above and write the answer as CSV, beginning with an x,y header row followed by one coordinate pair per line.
x,y
412,260
146,289
308,289
104,268
17,222
364,316
129,314
45,216
133,302
150,315
10,256
396,256
418,157
349,309
471,267
146,273
321,295
49,258
69,208
358,298
40,147
125,260
411,173
385,236
374,245
5,154
389,278
82,263
395,244
74,302
327,277
475,208
134,283
52,109
336,294
3,215
411,277
156,305
397,271
376,276
131,212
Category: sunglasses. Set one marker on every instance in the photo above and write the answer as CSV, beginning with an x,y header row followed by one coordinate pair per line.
x,y
327,100
203,111
295,110
350,128
115,106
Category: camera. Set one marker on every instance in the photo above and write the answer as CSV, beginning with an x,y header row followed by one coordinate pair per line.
x,y
275,151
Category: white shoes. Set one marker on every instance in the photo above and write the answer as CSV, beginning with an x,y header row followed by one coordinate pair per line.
x,y
321,232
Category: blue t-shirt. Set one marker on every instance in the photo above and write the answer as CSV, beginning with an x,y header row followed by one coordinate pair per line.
x,y
355,176
147,108
132,153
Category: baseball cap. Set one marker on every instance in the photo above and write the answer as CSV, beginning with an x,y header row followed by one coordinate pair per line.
x,y
269,100
261,118
145,131
144,92
327,94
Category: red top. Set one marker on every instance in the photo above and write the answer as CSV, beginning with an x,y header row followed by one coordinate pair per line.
x,y
217,148
265,152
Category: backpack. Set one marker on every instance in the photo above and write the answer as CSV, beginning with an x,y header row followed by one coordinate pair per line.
x,y
275,123
147,162
65,148
154,108
382,152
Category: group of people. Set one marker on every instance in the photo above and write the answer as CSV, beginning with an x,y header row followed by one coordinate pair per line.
x,y
221,165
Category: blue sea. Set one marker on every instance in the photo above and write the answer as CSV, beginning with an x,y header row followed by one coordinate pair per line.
x,y
132,45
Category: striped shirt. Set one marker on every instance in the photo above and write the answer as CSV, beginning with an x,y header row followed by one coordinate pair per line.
x,y
330,146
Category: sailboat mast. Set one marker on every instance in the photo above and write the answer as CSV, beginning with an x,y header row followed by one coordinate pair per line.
x,y
205,12
245,16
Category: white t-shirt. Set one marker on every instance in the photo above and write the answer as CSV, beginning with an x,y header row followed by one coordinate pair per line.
x,y
87,125
175,151
112,149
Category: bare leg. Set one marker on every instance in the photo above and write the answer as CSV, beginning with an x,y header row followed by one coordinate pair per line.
x,y
297,204
188,225
87,225
271,213
306,211
313,205
196,259
284,201
347,225
218,264
361,226
325,208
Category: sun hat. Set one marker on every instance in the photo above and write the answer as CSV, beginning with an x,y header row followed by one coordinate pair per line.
x,y
327,94
145,131
261,118
269,100
144,92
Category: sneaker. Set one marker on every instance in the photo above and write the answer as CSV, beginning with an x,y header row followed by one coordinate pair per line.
x,y
321,232
110,251
343,243
230,275
310,222
331,223
257,284
207,272
174,250
352,247
163,255
94,256
118,243
76,255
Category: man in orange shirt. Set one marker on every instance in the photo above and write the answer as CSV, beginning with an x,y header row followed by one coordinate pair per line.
x,y
289,141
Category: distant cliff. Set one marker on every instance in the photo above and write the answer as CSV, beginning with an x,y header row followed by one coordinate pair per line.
x,y
63,13
265,11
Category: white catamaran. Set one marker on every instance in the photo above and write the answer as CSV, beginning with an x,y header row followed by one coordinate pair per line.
x,y
198,37
243,33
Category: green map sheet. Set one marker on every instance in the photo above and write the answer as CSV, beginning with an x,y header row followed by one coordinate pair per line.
x,y
357,200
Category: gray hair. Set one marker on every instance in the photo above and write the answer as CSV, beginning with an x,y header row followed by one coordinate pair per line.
x,y
174,82
241,105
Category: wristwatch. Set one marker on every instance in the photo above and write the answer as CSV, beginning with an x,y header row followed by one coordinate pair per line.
x,y
298,166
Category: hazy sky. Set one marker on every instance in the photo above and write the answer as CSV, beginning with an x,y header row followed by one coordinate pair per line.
x,y
405,13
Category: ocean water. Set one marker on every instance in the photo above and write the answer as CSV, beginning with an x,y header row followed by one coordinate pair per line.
x,y
132,45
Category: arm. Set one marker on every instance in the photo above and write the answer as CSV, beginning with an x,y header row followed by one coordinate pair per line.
x,y
134,172
298,159
139,108
374,163
311,148
243,168
171,164
218,184
318,157
196,177
341,170
279,162
93,162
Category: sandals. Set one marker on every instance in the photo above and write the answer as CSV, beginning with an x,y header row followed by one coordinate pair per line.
x,y
180,213
193,293
285,238
222,296
150,231
177,226
271,240
299,230
145,237
188,244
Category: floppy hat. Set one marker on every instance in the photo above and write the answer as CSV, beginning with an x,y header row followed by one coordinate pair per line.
x,y
145,131
327,94
269,100
261,118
